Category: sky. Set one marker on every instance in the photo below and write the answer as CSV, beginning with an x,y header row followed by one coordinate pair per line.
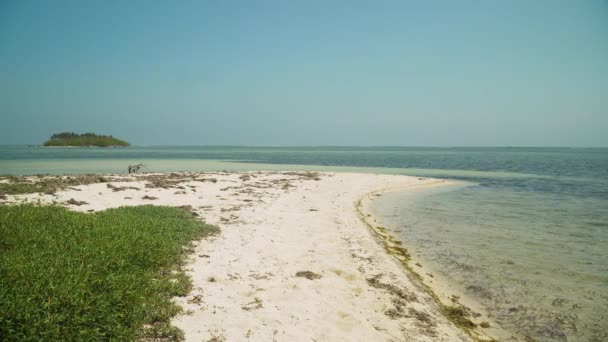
x,y
285,73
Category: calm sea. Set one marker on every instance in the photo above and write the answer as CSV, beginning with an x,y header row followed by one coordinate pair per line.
x,y
526,234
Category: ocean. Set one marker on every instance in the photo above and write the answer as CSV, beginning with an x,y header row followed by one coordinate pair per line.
x,y
524,232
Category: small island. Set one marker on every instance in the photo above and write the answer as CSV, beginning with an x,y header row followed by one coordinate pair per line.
x,y
86,139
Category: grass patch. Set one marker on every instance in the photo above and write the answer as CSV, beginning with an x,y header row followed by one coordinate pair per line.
x,y
105,276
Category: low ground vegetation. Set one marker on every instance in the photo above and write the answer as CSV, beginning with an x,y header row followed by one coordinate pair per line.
x,y
111,275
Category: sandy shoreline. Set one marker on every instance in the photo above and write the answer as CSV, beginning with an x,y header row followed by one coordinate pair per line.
x,y
294,260
439,287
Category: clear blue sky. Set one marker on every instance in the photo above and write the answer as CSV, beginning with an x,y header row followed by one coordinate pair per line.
x,y
438,73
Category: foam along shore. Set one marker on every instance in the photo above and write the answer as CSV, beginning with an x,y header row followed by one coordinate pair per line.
x,y
297,259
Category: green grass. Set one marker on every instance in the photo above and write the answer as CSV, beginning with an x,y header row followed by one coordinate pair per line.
x,y
105,276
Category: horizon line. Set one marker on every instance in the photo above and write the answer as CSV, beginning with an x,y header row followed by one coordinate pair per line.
x,y
320,146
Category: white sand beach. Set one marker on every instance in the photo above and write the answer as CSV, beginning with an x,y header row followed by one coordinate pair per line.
x,y
293,260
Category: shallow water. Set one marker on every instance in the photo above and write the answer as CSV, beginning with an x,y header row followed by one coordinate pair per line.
x,y
537,261
527,236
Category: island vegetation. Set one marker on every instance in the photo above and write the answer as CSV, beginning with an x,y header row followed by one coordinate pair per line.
x,y
86,139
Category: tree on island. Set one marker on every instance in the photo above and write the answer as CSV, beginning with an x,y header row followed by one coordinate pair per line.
x,y
86,139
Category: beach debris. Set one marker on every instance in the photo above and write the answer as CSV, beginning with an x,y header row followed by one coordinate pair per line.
x,y
254,305
459,315
72,201
46,184
308,275
401,293
229,220
362,257
151,198
120,188
233,276
397,311
217,338
196,299
423,321
233,208
257,276
212,180
167,181
306,175
135,168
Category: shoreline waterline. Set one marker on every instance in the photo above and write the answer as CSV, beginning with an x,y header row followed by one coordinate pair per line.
x,y
446,296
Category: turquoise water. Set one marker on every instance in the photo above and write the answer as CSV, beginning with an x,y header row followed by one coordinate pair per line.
x,y
526,236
